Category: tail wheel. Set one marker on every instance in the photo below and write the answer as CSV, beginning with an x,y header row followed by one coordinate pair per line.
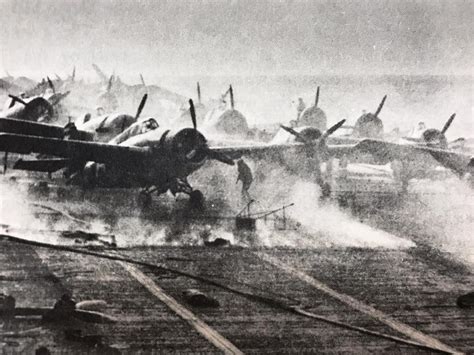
x,y
196,199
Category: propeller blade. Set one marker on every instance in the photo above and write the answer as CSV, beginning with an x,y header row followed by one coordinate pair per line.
x,y
50,83
380,106
58,98
58,77
231,93
316,101
5,162
448,123
109,84
100,73
199,92
212,154
16,99
142,80
102,127
193,113
73,77
141,106
296,134
333,129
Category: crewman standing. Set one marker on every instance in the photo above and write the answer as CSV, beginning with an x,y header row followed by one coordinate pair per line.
x,y
245,175
300,108
417,131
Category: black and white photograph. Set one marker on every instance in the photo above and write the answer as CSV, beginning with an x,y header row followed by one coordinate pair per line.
x,y
236,176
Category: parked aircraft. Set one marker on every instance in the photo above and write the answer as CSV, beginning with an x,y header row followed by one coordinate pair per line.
x,y
105,127
224,121
313,116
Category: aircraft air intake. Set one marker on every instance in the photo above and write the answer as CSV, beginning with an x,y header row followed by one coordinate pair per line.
x,y
190,146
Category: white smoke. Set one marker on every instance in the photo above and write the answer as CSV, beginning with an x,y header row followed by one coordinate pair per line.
x,y
443,214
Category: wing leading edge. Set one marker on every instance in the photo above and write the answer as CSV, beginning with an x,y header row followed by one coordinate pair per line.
x,y
74,150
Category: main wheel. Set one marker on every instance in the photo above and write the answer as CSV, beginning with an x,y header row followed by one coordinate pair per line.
x,y
144,200
196,199
325,191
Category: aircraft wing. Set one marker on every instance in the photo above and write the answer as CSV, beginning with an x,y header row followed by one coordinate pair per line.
x,y
31,128
381,150
455,161
267,151
11,125
75,150
259,151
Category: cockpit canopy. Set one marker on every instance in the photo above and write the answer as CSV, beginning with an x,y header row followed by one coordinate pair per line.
x,y
140,127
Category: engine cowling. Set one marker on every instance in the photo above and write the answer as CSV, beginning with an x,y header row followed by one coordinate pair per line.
x,y
368,126
189,146
35,109
315,117
434,137
229,122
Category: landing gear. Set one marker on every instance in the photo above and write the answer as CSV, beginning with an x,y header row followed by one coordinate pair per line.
x,y
196,199
325,191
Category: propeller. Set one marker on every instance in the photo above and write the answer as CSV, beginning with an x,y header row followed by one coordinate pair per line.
x,y
5,162
141,106
323,137
211,154
192,111
316,145
58,98
73,76
109,84
316,101
296,134
380,106
448,123
199,92
142,80
16,99
333,129
231,93
51,85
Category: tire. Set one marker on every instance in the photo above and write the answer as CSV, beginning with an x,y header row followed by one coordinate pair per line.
x,y
196,199
325,191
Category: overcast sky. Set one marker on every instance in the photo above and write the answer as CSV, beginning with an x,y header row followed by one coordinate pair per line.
x,y
238,37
